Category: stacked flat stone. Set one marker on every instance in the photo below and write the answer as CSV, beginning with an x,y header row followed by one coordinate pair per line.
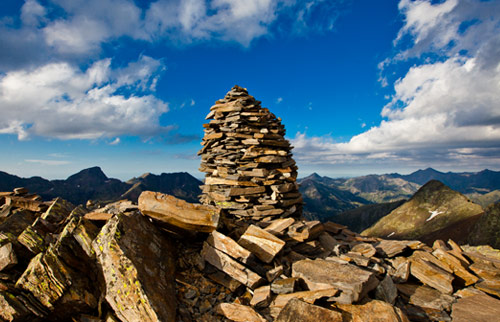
x,y
250,172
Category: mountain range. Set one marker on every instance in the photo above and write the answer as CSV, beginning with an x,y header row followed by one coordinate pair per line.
x,y
357,202
93,184
327,199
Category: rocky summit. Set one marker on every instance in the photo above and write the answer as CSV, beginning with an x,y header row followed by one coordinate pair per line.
x,y
165,259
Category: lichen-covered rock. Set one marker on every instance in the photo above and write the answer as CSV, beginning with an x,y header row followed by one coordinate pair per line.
x,y
12,309
58,211
63,278
138,266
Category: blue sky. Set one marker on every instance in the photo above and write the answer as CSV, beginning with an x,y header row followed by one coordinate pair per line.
x,y
362,86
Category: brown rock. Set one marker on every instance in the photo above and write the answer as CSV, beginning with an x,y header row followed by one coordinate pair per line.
x,y
236,191
63,278
477,308
226,281
426,297
273,273
98,216
25,203
231,267
490,287
456,265
327,241
432,275
37,237
261,296
307,296
333,228
261,243
391,248
373,311
277,226
401,269
299,311
428,257
58,211
386,290
364,249
322,274
8,257
138,266
239,313
12,309
284,286
360,260
229,246
179,213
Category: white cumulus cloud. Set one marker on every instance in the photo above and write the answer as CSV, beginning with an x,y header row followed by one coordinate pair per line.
x,y
61,101
446,105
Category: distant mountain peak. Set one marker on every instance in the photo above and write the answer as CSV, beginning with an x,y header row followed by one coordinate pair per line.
x,y
94,174
313,176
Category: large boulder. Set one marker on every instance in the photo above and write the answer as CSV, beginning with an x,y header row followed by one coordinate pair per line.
x,y
64,278
138,266
175,212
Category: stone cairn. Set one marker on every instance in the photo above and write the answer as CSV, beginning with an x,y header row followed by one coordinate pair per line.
x,y
250,172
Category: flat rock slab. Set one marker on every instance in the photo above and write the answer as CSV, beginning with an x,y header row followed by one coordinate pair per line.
x,y
426,297
261,243
323,274
300,311
459,268
138,266
178,213
229,246
307,296
230,266
239,313
24,203
373,311
391,248
432,275
477,308
364,249
261,296
277,226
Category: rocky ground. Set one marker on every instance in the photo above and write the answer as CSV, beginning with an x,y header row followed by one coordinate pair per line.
x,y
169,260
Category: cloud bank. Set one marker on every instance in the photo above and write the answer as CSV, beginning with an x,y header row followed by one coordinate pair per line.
x,y
446,107
61,101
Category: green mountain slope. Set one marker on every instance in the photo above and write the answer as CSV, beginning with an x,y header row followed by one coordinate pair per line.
x,y
433,207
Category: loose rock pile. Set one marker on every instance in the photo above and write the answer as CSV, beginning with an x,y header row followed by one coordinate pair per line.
x,y
250,172
116,264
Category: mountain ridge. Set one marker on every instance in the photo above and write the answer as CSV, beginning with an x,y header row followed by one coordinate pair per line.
x,y
93,184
